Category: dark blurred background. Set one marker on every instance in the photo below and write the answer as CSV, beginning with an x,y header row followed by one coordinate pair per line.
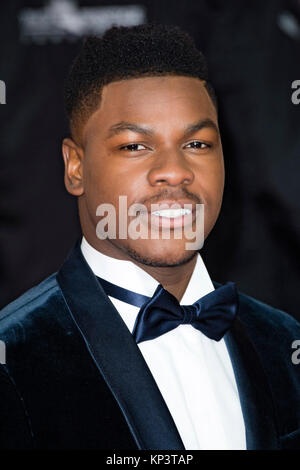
x,y
253,51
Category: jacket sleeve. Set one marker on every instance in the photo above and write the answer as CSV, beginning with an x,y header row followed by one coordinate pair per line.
x,y
15,429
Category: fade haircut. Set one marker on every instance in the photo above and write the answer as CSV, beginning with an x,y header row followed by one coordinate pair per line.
x,y
146,50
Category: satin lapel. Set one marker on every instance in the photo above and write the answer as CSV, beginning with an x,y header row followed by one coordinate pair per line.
x,y
117,356
255,397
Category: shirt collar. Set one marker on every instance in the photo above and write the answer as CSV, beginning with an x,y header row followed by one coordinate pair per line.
x,y
128,275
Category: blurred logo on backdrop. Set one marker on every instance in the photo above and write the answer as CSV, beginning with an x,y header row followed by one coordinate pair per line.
x,y
288,19
2,92
61,20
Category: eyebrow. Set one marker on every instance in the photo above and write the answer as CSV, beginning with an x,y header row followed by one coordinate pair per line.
x,y
202,124
144,130
128,126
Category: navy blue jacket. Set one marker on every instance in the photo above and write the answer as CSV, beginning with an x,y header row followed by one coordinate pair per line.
x,y
74,377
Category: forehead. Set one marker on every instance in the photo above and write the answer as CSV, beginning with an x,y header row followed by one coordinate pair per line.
x,y
156,101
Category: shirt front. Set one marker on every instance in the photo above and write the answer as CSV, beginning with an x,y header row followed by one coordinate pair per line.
x,y
193,372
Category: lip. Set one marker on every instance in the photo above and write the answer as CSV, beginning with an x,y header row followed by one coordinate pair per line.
x,y
157,221
176,222
167,204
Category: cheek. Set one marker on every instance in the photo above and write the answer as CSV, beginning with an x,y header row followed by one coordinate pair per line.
x,y
97,174
212,185
105,180
212,182
218,185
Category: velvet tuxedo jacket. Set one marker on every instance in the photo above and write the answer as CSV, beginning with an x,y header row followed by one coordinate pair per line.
x,y
74,377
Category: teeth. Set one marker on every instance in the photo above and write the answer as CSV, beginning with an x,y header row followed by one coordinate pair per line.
x,y
172,213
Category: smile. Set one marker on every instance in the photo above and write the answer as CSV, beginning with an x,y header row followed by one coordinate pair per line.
x,y
171,218
172,213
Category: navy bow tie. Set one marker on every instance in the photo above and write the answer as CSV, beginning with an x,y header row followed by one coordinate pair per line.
x,y
212,314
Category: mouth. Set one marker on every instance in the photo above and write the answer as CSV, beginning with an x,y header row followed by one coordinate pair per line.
x,y
171,214
172,218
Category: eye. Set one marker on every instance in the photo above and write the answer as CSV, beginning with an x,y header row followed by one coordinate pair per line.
x,y
133,147
197,144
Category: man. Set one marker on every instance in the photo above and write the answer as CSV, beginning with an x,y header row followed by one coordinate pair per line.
x,y
130,345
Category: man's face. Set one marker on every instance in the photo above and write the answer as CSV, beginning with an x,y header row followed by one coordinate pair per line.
x,y
153,140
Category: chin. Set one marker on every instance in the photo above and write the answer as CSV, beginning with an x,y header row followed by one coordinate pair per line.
x,y
160,255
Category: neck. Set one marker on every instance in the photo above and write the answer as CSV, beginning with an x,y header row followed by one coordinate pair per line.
x,y
173,278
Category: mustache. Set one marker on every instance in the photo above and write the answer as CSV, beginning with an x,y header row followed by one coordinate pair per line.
x,y
176,195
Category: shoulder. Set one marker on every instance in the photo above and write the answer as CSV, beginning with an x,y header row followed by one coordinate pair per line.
x,y
31,296
264,319
36,300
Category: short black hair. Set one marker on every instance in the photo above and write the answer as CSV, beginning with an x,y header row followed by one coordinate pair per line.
x,y
129,52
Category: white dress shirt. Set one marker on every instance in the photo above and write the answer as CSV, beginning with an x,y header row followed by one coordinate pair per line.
x,y
193,373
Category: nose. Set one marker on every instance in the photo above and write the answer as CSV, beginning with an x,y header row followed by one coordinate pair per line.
x,y
170,168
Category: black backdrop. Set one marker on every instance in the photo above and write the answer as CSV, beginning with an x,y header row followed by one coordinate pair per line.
x,y
252,49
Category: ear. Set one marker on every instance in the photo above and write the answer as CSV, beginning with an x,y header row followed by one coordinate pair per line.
x,y
73,159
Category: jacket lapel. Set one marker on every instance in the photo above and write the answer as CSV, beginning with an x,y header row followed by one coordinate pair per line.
x,y
253,388
117,356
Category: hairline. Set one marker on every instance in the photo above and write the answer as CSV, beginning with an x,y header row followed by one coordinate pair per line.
x,y
74,126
